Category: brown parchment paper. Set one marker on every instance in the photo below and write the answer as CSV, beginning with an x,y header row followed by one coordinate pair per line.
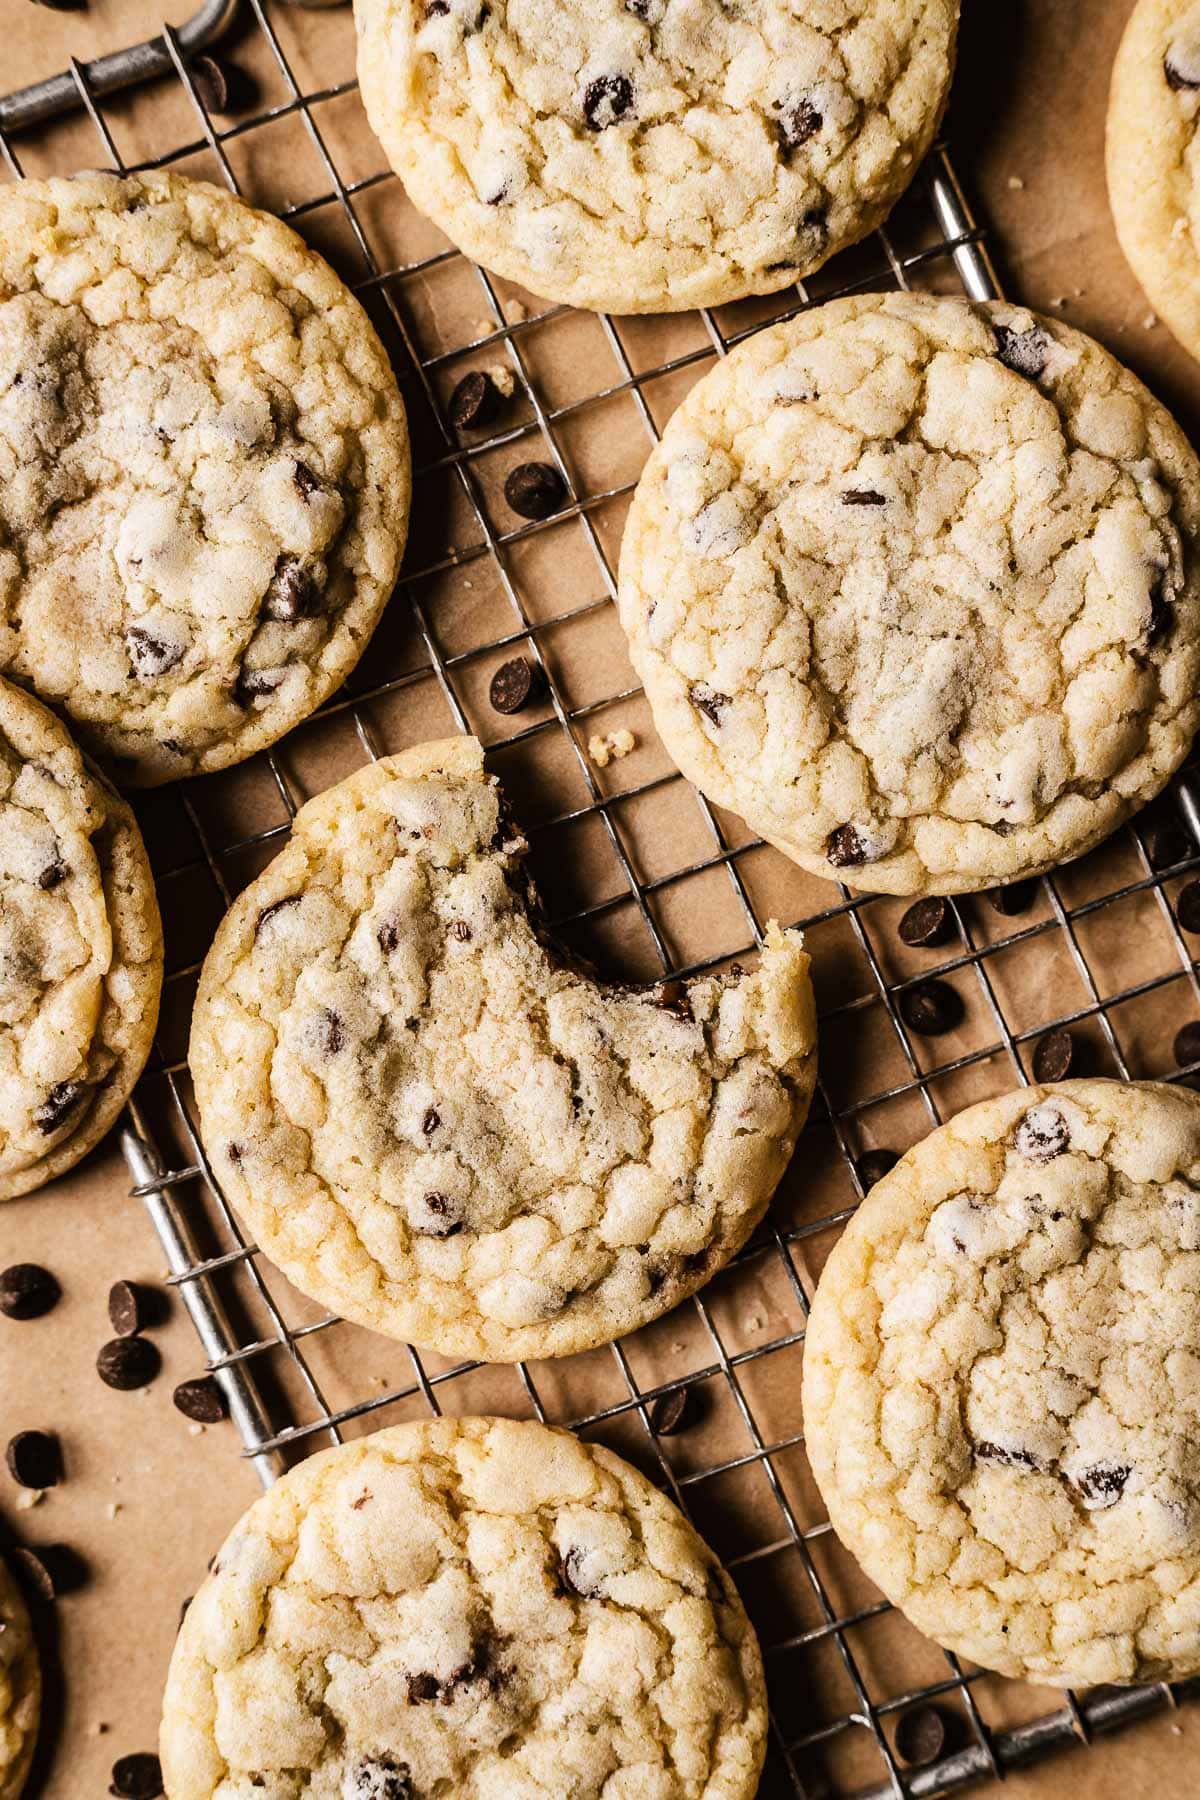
x,y
147,1499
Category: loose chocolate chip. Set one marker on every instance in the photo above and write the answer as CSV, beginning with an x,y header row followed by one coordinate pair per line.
x,y
535,490
253,683
708,700
306,482
1187,1044
1023,351
474,401
276,907
27,1291
202,1400
863,497
931,1008
799,120
137,1777
606,100
216,84
32,1572
460,931
125,1308
1016,897
62,1097
1167,845
292,593
442,1216
925,923
844,848
920,1735
430,1122
1053,1057
1100,1486
328,1032
1181,66
672,1413
151,655
515,683
1187,906
380,1779
48,1571
62,5
53,874
128,1363
1012,1456
873,1165
34,1459
1042,1134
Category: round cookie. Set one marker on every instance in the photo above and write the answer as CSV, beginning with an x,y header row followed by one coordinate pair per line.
x,y
654,155
1153,158
80,949
20,1688
478,1607
1002,1383
912,585
204,470
441,1130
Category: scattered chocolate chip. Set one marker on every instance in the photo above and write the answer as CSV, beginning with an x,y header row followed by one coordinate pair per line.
x,y
137,1777
863,497
873,1165
1015,897
128,1363
125,1309
925,923
1053,1057
920,1735
306,483
1023,351
606,100
474,402
381,1778
27,1291
1187,906
210,79
799,120
63,1096
1167,845
431,1121
276,907
34,1459
514,684
49,1570
708,700
460,931
931,1007
1187,1044
202,1400
844,848
1042,1134
441,1216
328,1033
53,874
1181,66
62,5
672,1413
1100,1486
151,655
1012,1456
535,490
292,593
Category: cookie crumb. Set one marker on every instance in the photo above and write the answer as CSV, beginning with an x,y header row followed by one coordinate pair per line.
x,y
1015,183
514,311
28,1498
1150,321
503,379
610,747
112,1509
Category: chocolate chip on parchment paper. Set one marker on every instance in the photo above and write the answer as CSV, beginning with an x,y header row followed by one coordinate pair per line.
x,y
34,1459
221,87
931,1007
515,684
535,490
62,5
1015,897
1167,845
27,1291
126,1308
127,1363
1053,1057
48,1570
1187,1044
137,1777
925,923
672,1413
474,402
202,1400
920,1735
1187,906
873,1165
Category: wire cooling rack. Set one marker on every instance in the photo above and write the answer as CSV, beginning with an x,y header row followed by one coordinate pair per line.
x,y
640,869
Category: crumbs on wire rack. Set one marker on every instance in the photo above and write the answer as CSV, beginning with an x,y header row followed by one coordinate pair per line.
x,y
610,747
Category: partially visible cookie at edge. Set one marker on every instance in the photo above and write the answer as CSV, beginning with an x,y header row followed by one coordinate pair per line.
x,y
20,1688
470,1606
80,949
440,1128
913,587
204,469
1001,1391
654,155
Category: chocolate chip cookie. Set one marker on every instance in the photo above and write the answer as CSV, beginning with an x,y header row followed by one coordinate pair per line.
x,y
476,1607
1153,186
441,1129
912,585
1002,1383
204,472
80,949
20,1689
653,155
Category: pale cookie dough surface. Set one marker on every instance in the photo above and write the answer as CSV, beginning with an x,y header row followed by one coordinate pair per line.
x,y
481,1608
653,155
80,949
20,1689
912,585
204,469
1002,1383
439,1129
1153,157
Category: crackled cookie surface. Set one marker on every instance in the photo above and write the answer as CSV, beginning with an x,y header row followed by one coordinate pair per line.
x,y
440,1130
912,585
80,949
1153,156
20,1689
1002,1383
477,1607
651,155
204,473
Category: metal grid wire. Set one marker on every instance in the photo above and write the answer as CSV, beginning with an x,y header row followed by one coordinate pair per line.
x,y
198,1231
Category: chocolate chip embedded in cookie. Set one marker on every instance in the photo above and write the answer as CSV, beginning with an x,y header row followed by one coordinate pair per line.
x,y
441,1130
913,586
20,1689
998,1397
80,949
640,156
204,469
466,1606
